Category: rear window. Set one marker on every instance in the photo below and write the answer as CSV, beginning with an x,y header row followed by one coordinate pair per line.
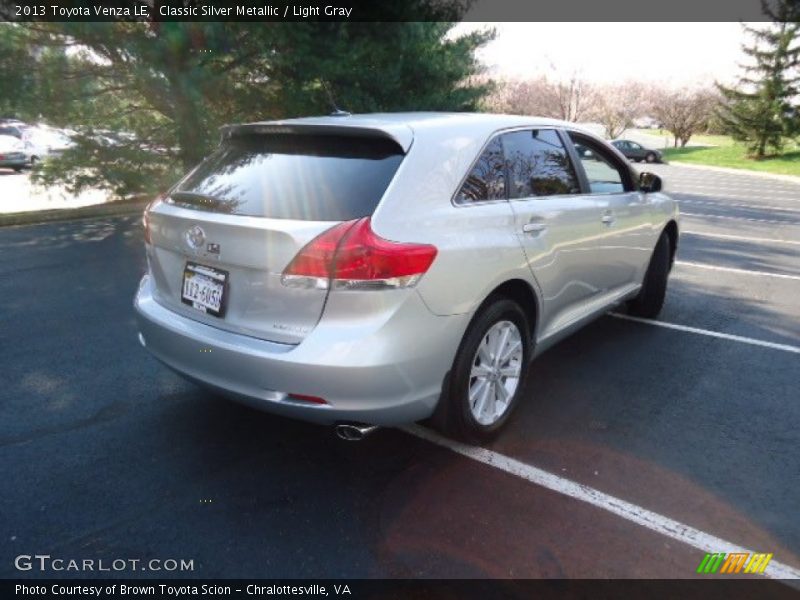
x,y
315,178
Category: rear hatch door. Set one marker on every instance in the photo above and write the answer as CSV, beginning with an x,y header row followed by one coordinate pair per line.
x,y
223,236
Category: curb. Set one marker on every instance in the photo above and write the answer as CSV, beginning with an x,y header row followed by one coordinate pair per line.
x,y
34,217
775,176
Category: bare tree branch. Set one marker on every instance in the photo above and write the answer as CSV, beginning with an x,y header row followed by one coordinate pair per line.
x,y
684,112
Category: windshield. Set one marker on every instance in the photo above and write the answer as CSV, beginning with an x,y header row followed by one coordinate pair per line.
x,y
320,178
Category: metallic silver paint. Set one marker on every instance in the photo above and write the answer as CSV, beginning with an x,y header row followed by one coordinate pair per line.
x,y
381,357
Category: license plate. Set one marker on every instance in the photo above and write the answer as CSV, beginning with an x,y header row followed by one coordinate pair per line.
x,y
204,288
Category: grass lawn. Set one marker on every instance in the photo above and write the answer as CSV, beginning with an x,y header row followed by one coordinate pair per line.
x,y
722,151
700,138
733,156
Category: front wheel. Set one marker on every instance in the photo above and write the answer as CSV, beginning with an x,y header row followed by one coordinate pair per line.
x,y
654,289
651,158
487,377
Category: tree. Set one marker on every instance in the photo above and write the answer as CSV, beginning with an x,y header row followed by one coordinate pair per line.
x,y
15,65
760,110
566,99
148,99
31,80
616,106
572,96
683,112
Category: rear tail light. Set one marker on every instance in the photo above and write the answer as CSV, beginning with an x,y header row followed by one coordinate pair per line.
x,y
146,225
146,219
351,256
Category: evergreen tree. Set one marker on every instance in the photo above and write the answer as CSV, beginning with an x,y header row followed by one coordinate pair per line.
x,y
148,98
760,110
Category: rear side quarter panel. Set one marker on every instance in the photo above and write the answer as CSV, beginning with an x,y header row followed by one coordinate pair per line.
x,y
664,209
477,247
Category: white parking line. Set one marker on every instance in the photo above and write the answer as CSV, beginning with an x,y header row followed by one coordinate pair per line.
x,y
709,333
773,221
740,238
686,263
705,542
692,187
737,205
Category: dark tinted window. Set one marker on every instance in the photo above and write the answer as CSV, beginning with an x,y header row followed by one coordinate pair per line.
x,y
538,164
13,131
316,178
487,179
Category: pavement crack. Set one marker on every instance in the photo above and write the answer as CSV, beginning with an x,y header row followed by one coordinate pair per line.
x,y
105,414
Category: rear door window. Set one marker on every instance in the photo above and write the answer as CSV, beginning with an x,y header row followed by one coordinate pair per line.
x,y
285,176
538,164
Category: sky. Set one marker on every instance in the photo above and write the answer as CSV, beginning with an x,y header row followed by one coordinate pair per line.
x,y
676,54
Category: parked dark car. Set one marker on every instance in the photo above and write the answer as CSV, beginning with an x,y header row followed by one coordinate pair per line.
x,y
637,152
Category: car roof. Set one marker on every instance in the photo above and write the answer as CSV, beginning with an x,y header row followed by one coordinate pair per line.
x,y
430,119
403,127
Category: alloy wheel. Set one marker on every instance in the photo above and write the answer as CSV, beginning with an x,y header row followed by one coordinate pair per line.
x,y
495,373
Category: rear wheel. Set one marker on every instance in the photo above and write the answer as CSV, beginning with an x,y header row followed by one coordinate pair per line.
x,y
488,373
651,297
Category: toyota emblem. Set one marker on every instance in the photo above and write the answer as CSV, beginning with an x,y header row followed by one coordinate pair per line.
x,y
195,237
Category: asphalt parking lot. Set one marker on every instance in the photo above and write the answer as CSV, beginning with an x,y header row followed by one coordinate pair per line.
x,y
692,422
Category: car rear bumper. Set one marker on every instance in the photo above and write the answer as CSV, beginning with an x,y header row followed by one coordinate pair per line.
x,y
391,374
11,161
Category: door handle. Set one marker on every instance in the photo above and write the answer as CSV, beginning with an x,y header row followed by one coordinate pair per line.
x,y
608,219
534,227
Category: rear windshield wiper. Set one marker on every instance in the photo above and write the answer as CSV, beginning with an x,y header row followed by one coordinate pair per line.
x,y
201,201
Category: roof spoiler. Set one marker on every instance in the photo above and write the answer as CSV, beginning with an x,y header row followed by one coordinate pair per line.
x,y
400,134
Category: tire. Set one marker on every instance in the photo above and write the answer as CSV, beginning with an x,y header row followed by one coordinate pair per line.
x,y
474,408
651,297
651,158
18,169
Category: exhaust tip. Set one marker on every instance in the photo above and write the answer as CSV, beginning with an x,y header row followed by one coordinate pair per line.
x,y
352,432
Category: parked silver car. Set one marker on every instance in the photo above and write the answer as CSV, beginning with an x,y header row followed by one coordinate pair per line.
x,y
12,153
382,269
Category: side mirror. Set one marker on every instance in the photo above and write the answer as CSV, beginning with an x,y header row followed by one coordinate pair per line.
x,y
649,182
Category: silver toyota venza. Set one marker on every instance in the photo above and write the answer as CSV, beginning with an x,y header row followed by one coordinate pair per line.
x,y
383,269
